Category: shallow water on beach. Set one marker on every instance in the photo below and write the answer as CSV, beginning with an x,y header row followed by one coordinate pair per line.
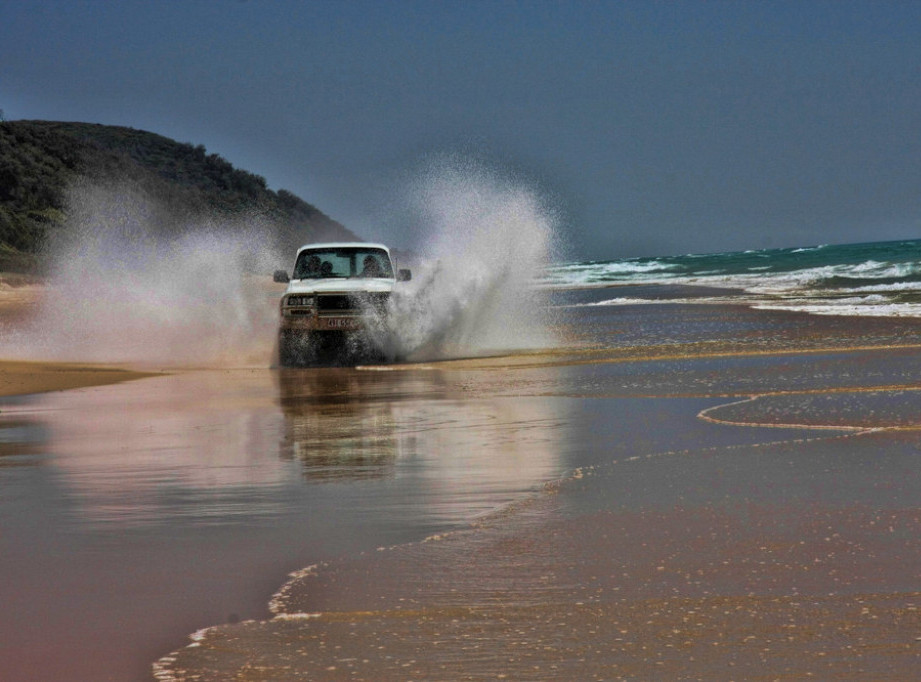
x,y
797,556
135,514
676,546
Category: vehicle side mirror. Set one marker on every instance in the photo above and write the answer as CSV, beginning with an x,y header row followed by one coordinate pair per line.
x,y
281,276
404,275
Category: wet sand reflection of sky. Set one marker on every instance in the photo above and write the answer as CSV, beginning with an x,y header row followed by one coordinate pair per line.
x,y
213,446
191,496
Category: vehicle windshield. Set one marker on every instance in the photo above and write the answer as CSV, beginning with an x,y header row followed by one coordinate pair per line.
x,y
342,262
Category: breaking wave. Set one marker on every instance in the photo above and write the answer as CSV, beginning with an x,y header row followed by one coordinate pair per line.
x,y
873,279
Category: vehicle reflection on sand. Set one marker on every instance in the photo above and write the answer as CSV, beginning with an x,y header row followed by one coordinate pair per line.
x,y
214,447
336,428
422,427
174,501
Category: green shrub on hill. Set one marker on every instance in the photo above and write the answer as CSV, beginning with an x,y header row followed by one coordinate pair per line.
x,y
40,160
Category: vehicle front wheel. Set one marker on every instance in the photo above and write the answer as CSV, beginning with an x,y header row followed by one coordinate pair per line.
x,y
296,349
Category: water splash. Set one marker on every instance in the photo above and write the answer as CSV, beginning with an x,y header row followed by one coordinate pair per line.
x,y
131,282
486,238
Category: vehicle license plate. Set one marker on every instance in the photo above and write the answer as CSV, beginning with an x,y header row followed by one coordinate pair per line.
x,y
342,323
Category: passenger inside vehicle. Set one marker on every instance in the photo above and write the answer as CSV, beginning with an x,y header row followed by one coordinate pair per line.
x,y
370,267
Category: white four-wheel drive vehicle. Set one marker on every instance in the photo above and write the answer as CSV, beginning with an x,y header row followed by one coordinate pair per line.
x,y
335,306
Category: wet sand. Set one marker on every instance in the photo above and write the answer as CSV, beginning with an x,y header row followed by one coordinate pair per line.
x,y
740,513
18,297
676,492
22,378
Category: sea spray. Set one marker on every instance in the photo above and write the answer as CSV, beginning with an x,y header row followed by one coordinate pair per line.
x,y
485,239
128,281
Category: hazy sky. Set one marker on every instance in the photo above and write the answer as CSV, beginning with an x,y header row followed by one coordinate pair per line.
x,y
653,127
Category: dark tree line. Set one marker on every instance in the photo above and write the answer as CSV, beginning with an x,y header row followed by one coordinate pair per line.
x,y
39,160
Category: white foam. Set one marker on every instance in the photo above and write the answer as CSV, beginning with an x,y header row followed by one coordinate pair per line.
x,y
296,616
276,603
807,249
603,273
852,309
797,290
627,300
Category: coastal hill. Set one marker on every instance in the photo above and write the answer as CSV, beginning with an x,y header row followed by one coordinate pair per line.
x,y
40,160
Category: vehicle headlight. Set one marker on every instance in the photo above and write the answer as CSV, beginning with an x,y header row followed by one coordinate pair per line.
x,y
300,300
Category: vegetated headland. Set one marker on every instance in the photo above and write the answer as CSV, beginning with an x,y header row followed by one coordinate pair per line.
x,y
41,160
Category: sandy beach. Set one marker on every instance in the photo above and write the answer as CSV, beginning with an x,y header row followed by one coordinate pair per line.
x,y
23,378
19,296
731,513
695,492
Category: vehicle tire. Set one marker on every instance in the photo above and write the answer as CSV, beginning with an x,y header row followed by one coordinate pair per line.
x,y
296,349
286,357
364,348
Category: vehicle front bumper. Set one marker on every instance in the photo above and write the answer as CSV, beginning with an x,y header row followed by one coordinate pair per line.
x,y
322,323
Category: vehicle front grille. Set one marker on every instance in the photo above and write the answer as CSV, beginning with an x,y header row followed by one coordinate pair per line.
x,y
334,302
354,303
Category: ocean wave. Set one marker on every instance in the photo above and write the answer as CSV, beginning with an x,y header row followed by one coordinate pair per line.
x,y
862,309
815,279
606,273
629,300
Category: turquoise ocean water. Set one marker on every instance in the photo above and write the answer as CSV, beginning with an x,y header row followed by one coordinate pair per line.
x,y
880,279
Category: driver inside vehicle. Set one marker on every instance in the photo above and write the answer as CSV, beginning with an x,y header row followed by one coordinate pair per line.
x,y
312,268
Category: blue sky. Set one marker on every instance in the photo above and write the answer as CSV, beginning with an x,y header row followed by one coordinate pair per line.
x,y
652,127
